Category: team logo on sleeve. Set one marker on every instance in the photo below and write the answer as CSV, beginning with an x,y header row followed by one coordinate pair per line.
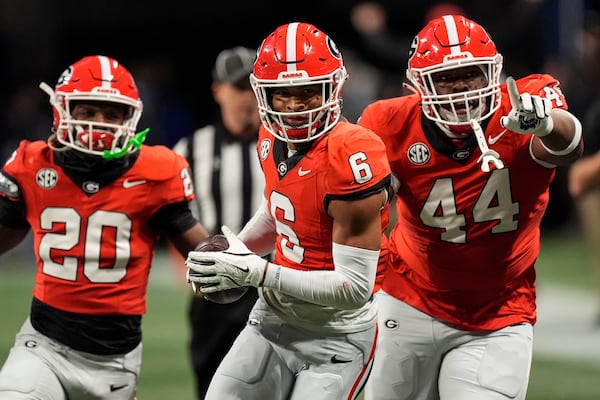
x,y
419,153
265,148
46,178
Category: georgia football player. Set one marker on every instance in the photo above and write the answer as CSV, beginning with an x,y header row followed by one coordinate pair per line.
x,y
311,333
474,159
96,201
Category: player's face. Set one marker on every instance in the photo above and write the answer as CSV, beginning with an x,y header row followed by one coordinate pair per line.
x,y
100,112
459,80
297,99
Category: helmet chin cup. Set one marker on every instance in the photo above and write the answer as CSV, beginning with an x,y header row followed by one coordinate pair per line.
x,y
98,140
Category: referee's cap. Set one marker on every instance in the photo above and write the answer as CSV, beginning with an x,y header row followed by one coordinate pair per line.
x,y
234,65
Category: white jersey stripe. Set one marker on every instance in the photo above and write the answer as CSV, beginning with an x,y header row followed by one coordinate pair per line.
x,y
225,194
203,176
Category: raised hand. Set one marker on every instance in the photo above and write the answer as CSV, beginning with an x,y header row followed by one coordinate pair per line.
x,y
529,114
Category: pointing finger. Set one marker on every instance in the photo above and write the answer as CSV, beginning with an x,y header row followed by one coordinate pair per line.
x,y
513,92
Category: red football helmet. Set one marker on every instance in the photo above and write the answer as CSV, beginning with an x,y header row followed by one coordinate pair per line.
x,y
448,42
299,54
102,79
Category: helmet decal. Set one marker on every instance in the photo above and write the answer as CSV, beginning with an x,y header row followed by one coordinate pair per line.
x,y
65,77
333,48
413,47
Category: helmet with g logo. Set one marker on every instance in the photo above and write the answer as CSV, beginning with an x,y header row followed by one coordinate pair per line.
x,y
446,43
299,54
95,79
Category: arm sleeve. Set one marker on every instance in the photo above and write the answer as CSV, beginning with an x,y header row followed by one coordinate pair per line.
x,y
12,214
173,219
259,233
347,286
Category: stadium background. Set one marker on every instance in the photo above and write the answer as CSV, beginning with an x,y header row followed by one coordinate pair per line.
x,y
170,47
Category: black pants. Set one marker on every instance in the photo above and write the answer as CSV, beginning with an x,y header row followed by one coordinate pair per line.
x,y
214,327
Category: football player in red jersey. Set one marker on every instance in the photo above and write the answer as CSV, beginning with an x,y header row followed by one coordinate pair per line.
x,y
311,334
96,204
474,159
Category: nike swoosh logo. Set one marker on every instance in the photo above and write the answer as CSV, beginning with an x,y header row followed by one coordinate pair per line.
x,y
302,172
493,139
114,388
336,360
129,184
243,269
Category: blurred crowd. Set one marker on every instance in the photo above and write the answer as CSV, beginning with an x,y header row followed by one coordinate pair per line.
x,y
164,46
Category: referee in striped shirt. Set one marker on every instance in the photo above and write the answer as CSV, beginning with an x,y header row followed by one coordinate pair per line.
x,y
229,188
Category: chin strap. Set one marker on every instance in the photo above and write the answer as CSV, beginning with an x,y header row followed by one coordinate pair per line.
x,y
487,156
136,142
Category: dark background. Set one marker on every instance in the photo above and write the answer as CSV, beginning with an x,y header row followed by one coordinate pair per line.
x,y
170,46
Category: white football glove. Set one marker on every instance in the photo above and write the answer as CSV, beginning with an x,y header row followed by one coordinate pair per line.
x,y
529,114
213,271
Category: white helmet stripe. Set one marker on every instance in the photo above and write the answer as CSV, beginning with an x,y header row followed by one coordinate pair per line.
x,y
107,76
452,34
290,46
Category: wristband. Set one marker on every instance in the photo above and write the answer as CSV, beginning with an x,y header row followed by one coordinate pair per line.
x,y
572,145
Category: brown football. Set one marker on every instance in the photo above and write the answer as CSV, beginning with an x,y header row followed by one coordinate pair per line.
x,y
219,242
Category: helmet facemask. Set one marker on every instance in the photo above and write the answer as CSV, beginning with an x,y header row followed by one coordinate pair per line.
x,y
458,109
295,55
444,45
320,119
95,80
92,137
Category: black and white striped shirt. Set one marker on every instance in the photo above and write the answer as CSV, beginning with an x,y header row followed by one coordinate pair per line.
x,y
227,177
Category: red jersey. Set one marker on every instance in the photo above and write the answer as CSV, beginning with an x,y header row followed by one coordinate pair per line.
x,y
348,162
94,250
466,241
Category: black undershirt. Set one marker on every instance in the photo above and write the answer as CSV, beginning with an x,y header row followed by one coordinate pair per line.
x,y
95,334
